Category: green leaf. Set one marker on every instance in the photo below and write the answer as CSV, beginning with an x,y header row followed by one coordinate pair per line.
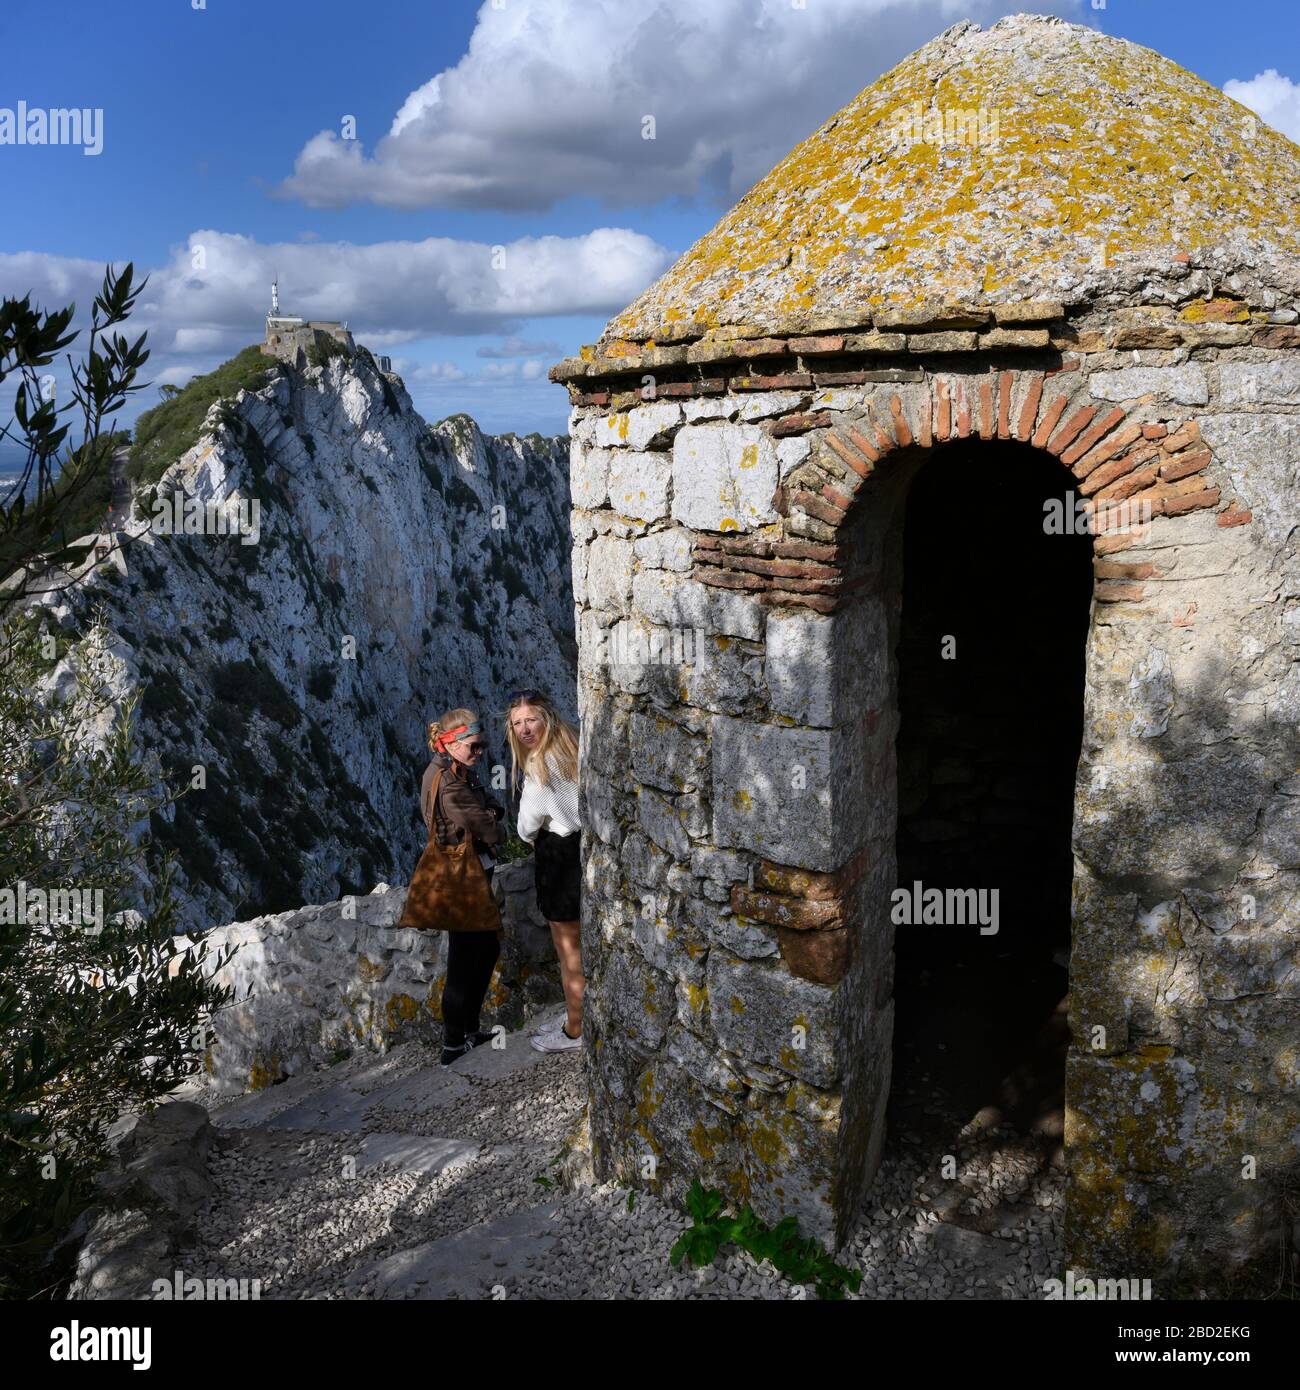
x,y
799,1258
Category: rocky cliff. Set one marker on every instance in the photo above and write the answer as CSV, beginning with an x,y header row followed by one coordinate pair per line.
x,y
286,673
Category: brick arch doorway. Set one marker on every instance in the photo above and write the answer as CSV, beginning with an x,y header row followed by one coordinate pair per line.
x,y
974,573
992,586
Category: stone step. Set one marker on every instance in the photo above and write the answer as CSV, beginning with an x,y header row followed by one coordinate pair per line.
x,y
302,1102
467,1264
419,1153
993,1256
260,1107
489,1063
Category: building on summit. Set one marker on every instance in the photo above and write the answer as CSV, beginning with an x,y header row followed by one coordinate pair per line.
x,y
289,337
973,463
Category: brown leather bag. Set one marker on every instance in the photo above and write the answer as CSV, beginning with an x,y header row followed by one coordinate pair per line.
x,y
449,890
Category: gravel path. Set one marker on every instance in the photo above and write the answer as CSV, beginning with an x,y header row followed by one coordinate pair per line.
x,y
392,1178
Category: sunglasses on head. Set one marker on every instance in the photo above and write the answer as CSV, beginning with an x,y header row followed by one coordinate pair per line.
x,y
526,697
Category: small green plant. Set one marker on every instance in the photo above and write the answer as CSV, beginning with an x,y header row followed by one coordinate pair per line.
x,y
541,1179
325,349
164,433
61,491
99,1015
799,1258
513,849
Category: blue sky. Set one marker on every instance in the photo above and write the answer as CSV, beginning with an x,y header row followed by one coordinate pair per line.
x,y
513,124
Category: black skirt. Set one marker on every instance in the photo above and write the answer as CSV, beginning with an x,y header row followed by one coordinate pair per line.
x,y
558,868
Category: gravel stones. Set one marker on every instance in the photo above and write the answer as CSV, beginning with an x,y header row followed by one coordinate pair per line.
x,y
362,1213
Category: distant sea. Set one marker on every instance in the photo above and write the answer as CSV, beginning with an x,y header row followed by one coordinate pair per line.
x,y
11,468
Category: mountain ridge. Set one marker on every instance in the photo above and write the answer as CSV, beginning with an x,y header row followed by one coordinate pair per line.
x,y
401,568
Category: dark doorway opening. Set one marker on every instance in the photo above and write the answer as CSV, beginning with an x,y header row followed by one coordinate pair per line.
x,y
988,746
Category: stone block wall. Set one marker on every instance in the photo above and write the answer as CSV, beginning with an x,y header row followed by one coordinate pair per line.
x,y
325,980
736,569
293,344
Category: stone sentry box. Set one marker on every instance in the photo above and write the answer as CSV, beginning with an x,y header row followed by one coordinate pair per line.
x,y
743,440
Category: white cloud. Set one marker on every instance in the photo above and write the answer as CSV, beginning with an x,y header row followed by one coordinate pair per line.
x,y
420,101
532,369
518,347
176,375
215,289
208,300
198,340
550,98
1273,97
488,375
437,371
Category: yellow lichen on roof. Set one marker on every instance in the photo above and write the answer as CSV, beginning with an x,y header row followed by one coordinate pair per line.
x,y
1087,148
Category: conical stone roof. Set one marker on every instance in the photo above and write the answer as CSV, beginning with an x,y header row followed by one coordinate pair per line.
x,y
991,166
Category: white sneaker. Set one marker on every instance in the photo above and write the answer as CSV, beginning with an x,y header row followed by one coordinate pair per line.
x,y
559,1041
554,1025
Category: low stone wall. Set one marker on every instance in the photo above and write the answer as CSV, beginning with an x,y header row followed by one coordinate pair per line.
x,y
323,980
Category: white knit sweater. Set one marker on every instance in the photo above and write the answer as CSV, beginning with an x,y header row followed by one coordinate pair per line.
x,y
554,805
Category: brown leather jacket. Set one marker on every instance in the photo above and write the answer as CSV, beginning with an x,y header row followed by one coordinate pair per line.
x,y
463,805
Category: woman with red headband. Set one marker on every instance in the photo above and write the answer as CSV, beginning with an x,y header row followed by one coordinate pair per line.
x,y
455,805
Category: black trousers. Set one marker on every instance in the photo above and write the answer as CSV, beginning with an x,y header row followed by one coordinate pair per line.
x,y
470,958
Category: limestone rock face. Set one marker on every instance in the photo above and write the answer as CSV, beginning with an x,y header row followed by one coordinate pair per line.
x,y
401,569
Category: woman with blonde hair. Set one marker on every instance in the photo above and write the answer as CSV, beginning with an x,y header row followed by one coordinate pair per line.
x,y
544,747
456,808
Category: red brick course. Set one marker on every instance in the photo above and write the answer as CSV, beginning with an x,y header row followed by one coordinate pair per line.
x,y
1006,381
1091,436
985,426
813,346
822,957
809,911
1044,431
797,424
1158,465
